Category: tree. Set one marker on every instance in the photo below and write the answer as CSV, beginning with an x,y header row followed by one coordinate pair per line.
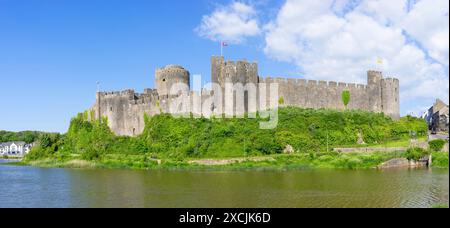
x,y
346,98
281,101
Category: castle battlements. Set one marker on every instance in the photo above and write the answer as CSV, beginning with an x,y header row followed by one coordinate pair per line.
x,y
118,93
125,109
391,79
171,69
304,82
374,72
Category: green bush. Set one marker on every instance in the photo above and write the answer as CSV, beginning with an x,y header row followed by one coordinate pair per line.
x,y
91,154
281,101
306,130
48,145
416,153
440,160
437,145
346,97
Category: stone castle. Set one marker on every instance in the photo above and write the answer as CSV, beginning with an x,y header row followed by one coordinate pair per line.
x,y
125,110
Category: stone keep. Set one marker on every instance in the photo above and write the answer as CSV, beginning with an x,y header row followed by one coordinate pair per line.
x,y
125,110
170,75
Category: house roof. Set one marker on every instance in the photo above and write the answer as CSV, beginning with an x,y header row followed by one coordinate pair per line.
x,y
439,105
443,111
10,143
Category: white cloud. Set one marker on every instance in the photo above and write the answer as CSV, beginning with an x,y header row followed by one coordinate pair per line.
x,y
428,23
232,23
386,12
341,40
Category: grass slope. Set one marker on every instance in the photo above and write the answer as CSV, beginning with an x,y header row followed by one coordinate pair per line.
x,y
178,140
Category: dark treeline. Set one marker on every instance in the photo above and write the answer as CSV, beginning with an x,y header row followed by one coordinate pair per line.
x,y
24,136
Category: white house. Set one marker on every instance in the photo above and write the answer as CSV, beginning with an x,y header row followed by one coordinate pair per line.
x,y
15,149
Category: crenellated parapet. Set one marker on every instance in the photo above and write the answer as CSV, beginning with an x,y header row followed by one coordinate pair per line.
x,y
304,82
233,71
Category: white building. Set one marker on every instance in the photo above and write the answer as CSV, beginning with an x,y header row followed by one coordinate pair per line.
x,y
14,149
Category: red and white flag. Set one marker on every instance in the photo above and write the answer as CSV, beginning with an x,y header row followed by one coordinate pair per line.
x,y
222,45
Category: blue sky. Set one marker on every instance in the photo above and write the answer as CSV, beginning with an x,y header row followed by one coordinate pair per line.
x,y
52,52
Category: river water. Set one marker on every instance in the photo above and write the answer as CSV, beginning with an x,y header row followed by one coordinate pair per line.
x,y
37,187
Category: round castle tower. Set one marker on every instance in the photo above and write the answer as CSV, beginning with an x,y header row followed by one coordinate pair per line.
x,y
374,79
384,94
170,75
391,97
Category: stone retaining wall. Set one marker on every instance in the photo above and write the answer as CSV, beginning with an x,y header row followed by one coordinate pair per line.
x,y
370,150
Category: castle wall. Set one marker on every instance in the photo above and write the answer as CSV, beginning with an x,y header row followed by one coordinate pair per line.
x,y
216,69
125,110
115,106
319,94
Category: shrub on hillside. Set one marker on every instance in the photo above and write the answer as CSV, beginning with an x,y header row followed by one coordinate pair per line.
x,y
306,130
440,159
437,145
47,146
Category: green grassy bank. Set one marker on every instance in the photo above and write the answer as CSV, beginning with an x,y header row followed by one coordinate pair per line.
x,y
272,162
169,143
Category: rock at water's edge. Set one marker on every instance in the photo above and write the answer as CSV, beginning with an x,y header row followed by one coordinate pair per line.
x,y
395,163
405,163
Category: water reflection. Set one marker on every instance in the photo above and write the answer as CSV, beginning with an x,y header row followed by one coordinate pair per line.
x,y
33,187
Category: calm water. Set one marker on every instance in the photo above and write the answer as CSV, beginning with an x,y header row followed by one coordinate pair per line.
x,y
35,187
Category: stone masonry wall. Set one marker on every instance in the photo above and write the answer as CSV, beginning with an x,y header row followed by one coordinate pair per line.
x,y
319,94
125,110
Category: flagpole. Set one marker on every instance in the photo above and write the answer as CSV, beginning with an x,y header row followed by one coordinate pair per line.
x,y
221,48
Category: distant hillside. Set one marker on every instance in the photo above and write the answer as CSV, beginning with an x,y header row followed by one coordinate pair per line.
x,y
306,130
25,136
